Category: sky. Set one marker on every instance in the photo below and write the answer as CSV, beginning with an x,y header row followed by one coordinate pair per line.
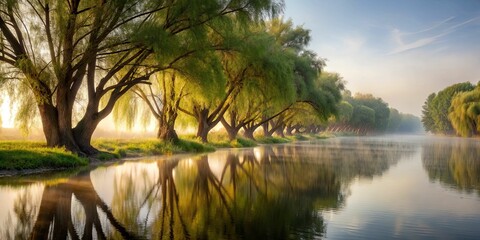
x,y
400,51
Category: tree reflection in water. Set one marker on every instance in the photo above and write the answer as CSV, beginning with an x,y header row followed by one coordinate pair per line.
x,y
54,219
268,192
25,210
455,163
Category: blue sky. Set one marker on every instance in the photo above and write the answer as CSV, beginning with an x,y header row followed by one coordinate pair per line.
x,y
400,51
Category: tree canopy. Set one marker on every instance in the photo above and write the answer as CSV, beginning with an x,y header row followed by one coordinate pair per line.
x,y
436,109
361,113
96,51
464,113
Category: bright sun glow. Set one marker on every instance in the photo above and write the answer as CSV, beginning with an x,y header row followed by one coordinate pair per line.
x,y
6,116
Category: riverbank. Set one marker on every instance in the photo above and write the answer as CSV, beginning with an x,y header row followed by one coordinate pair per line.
x,y
31,157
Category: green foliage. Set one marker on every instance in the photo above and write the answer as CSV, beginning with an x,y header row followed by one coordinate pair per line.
x,y
465,113
288,35
379,107
128,110
435,111
436,108
26,110
87,54
328,94
304,114
363,117
345,112
427,115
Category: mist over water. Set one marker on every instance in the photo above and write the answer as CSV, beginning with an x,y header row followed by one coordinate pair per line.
x,y
340,188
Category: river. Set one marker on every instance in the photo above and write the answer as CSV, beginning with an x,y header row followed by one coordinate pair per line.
x,y
391,187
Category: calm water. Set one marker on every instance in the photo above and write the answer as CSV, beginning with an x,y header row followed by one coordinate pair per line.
x,y
343,188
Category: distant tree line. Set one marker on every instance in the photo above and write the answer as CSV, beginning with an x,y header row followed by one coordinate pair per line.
x,y
454,110
365,114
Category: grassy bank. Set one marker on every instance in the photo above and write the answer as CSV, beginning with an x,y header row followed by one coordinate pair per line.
x,y
118,148
18,155
21,155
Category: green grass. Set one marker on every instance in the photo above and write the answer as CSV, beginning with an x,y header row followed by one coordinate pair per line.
x,y
21,145
19,155
243,142
193,146
146,147
29,155
272,140
220,140
323,136
299,137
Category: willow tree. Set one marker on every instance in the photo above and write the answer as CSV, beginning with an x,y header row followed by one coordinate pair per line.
x,y
465,113
258,99
339,123
427,115
311,113
381,112
106,47
362,113
310,86
301,118
438,108
254,59
161,100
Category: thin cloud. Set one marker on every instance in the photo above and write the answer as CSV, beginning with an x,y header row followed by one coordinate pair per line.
x,y
432,27
402,45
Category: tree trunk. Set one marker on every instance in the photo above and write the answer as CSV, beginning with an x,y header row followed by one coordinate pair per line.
x,y
233,127
204,126
248,133
84,130
266,129
289,130
166,131
231,131
202,133
48,115
56,130
83,135
279,131
166,121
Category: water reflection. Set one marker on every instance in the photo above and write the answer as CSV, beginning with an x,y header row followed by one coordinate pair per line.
x,y
270,192
454,163
25,211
